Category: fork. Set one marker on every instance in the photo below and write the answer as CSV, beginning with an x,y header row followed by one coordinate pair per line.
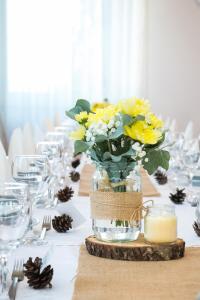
x,y
46,225
17,275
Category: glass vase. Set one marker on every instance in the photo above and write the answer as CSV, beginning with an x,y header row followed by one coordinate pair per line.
x,y
116,230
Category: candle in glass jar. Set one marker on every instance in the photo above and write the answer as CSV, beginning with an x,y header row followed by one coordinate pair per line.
x,y
160,224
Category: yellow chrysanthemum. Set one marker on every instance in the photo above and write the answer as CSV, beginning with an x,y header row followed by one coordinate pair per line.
x,y
134,107
154,121
98,105
81,117
78,134
144,133
102,114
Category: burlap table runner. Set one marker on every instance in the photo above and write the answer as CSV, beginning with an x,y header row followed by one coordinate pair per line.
x,y
148,189
104,279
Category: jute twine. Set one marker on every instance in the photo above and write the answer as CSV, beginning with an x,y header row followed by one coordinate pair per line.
x,y
117,205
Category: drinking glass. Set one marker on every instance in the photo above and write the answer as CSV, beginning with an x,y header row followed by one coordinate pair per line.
x,y
61,137
14,222
35,171
53,151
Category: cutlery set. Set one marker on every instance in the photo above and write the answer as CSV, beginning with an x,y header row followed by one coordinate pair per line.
x,y
18,268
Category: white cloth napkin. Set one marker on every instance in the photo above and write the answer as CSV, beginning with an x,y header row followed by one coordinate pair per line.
x,y
69,209
5,170
188,133
28,140
2,150
16,144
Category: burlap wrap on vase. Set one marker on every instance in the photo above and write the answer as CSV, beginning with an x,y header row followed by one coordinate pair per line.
x,y
116,205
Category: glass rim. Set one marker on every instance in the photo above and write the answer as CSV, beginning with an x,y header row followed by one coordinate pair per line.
x,y
9,185
31,156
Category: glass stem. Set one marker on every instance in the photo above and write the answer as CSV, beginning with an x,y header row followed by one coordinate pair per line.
x,y
3,274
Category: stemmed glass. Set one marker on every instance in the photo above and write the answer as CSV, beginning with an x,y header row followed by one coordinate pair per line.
x,y
191,160
14,222
61,137
53,151
33,170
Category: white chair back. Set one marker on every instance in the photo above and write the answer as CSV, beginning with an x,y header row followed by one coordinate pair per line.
x,y
28,140
16,144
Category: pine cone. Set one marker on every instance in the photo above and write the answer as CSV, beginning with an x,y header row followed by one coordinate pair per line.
x,y
36,278
178,197
65,194
196,227
62,223
160,177
75,163
75,176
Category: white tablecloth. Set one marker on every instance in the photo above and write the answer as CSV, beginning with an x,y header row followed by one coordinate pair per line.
x,y
64,252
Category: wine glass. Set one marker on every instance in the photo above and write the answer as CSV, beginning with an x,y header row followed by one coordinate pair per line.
x,y
191,160
35,171
53,151
61,137
14,222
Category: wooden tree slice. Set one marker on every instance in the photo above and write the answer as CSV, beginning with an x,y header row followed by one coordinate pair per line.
x,y
137,251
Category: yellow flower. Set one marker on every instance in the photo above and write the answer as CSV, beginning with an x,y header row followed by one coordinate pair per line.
x,y
81,117
144,133
98,105
134,107
78,134
154,121
102,115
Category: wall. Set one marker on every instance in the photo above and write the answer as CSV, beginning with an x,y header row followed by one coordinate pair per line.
x,y
2,70
173,55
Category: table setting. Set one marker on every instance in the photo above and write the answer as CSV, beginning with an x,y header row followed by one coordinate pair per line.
x,y
107,207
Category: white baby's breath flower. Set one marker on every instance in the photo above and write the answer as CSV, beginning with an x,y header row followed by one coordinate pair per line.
x,y
113,147
142,154
146,159
136,146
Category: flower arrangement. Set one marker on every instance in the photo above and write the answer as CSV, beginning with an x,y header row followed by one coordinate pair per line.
x,y
120,136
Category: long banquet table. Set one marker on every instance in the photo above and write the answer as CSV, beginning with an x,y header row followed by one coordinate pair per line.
x,y
63,249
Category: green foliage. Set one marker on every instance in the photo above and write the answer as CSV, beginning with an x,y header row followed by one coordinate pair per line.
x,y
80,146
81,105
156,158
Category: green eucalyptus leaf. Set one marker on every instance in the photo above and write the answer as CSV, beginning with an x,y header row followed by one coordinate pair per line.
x,y
80,146
118,132
84,104
100,138
81,105
138,118
156,158
106,156
126,119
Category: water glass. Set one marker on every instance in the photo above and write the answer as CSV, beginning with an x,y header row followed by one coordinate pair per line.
x,y
14,222
35,171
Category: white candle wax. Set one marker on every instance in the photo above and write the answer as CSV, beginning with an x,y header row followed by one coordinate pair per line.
x,y
160,228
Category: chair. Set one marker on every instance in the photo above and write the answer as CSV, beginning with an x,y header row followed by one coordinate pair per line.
x,y
16,144
28,140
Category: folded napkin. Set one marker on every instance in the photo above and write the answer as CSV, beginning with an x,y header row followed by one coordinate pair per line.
x,y
2,150
188,133
16,144
5,170
28,140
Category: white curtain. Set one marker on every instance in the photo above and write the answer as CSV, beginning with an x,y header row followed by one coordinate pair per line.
x,y
62,50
